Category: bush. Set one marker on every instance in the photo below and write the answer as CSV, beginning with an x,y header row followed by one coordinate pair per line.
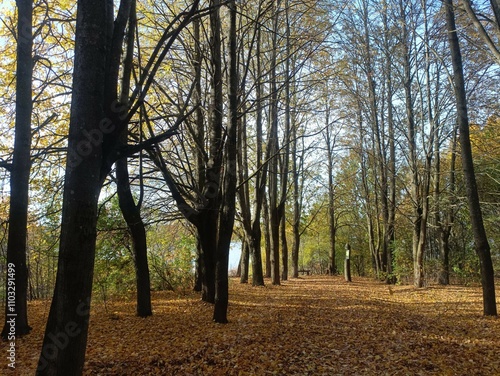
x,y
402,263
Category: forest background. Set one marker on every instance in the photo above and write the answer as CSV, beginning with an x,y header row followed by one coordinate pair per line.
x,y
312,125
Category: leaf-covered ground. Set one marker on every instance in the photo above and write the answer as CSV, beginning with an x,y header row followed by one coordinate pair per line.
x,y
310,326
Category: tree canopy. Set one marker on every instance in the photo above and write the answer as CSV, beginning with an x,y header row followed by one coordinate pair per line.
x,y
142,141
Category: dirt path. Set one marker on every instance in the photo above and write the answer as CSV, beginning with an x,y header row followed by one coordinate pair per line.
x,y
310,326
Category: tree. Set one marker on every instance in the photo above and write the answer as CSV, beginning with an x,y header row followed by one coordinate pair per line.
x,y
230,178
96,121
130,210
481,244
330,141
17,281
483,33
251,208
272,154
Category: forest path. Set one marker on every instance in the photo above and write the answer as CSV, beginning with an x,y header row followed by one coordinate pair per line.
x,y
314,325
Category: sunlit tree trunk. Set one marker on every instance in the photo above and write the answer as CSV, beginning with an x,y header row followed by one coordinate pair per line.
x,y
390,179
243,267
481,244
411,135
199,136
285,158
244,201
446,226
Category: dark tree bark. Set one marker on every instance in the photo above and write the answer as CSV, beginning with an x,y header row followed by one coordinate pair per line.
x,y
285,158
63,349
230,178
244,262
244,201
366,191
417,221
199,137
213,177
16,309
495,4
132,212
390,192
251,210
267,235
95,123
296,206
481,244
445,226
272,154
347,263
207,232
332,226
284,248
380,193
132,215
261,179
198,283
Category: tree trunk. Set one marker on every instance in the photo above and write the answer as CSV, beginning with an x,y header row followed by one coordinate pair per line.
x,y
209,228
379,161
244,261
417,251
366,191
251,213
255,252
391,164
347,264
332,226
267,235
207,232
261,179
285,158
296,207
445,228
16,309
65,340
284,248
495,4
131,212
198,283
273,147
132,215
481,244
230,178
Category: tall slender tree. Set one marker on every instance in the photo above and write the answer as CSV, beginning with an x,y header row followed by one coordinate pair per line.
x,y
230,177
481,243
16,310
95,125
272,154
130,210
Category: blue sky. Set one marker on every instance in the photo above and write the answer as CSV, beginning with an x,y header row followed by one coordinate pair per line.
x,y
234,255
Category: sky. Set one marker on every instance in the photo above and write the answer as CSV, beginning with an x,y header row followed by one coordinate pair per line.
x,y
234,255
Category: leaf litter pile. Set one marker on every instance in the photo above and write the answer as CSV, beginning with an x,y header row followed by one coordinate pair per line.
x,y
308,326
